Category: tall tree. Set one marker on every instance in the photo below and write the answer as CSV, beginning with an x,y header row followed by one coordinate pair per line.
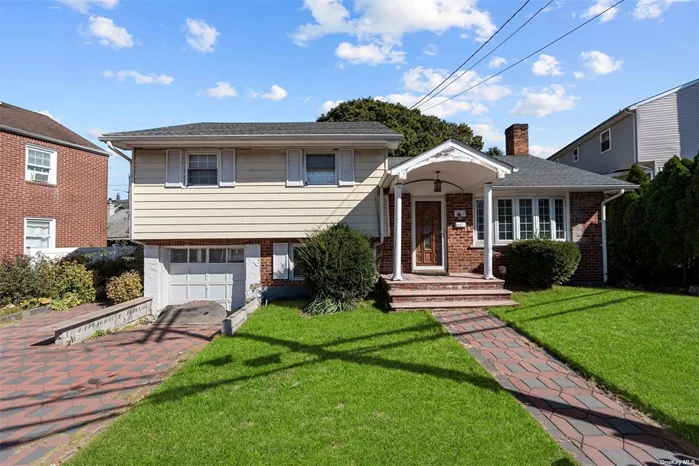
x,y
420,132
495,151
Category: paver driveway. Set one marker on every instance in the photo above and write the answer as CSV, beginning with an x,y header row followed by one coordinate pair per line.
x,y
51,397
596,429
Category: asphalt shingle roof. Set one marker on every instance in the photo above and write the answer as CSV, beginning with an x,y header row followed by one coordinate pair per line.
x,y
262,129
26,121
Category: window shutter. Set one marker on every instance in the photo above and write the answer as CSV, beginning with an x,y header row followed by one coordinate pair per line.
x,y
227,171
53,174
280,265
294,167
174,166
346,167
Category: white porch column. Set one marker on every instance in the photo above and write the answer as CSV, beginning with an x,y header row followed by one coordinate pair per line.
x,y
397,232
488,232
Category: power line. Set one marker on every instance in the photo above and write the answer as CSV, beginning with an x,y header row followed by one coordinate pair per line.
x,y
466,61
525,58
489,53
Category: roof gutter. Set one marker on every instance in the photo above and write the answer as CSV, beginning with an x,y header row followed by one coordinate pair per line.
x,y
118,152
605,261
41,137
579,187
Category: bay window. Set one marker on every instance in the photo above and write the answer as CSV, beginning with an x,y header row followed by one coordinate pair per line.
x,y
526,219
544,225
505,220
559,218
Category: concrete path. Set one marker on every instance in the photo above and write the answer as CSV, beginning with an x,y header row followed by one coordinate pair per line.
x,y
593,427
52,399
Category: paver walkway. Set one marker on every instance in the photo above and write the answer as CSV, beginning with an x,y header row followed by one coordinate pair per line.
x,y
53,398
596,429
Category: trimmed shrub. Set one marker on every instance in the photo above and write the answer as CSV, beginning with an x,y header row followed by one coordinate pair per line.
x,y
543,262
125,287
339,268
16,280
73,277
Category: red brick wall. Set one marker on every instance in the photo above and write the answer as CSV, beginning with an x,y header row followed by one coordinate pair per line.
x,y
587,233
266,253
78,201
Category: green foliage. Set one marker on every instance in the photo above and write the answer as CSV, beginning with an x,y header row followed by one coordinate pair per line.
x,y
339,268
125,287
66,301
654,231
98,334
420,132
74,278
543,262
107,267
494,151
16,280
32,303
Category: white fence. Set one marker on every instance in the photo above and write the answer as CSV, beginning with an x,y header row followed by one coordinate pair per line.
x,y
57,253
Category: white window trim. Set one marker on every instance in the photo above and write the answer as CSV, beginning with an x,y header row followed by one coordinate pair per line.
x,y
290,262
53,169
52,231
304,168
535,218
217,153
477,242
608,130
576,154
496,221
338,167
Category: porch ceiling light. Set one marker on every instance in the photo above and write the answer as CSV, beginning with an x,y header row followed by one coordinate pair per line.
x,y
438,184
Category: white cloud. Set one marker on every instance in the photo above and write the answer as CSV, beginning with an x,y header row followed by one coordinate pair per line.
x,y
223,90
50,115
556,5
548,100
328,105
598,7
542,151
108,33
305,100
489,134
497,62
201,36
463,36
83,6
384,23
579,75
600,63
431,50
647,9
150,78
275,93
95,132
372,54
445,109
547,65
423,80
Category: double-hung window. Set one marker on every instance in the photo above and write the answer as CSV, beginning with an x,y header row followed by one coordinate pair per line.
x,y
41,164
544,226
605,141
559,218
526,218
576,154
39,233
320,169
505,216
202,170
480,220
295,265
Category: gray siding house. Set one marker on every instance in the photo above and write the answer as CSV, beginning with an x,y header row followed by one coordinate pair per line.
x,y
648,133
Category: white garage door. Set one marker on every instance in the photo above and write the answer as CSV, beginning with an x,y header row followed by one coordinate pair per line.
x,y
212,274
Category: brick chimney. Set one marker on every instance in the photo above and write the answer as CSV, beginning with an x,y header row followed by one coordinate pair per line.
x,y
517,139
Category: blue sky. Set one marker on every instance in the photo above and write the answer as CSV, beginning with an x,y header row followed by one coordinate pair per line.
x,y
115,65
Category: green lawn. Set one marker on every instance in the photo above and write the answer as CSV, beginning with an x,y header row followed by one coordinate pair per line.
x,y
362,387
643,346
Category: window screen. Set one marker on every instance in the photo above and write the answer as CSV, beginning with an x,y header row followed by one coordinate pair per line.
x,y
320,169
202,170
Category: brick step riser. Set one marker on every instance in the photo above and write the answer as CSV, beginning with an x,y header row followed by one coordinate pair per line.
x,y
434,309
428,299
447,286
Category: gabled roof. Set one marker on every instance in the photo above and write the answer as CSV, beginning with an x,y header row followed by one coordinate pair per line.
x,y
35,125
619,116
535,172
264,129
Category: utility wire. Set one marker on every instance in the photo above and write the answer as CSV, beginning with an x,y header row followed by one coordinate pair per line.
x,y
466,61
525,58
488,54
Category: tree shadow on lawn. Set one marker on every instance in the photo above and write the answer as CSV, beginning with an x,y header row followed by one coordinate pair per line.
x,y
582,308
555,301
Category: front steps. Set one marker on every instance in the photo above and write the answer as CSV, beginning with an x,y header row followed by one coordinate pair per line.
x,y
451,292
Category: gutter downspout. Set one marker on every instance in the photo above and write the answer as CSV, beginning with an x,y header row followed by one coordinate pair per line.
x,y
604,233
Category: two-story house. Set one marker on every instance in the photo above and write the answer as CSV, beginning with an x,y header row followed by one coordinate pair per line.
x,y
648,133
53,185
222,207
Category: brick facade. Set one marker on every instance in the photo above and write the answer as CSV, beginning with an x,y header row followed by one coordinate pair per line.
x,y
78,201
462,256
517,139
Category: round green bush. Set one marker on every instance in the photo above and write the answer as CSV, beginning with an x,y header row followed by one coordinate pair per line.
x,y
73,277
543,262
125,287
339,268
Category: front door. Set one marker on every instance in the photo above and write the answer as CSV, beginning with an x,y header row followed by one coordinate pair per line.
x,y
428,234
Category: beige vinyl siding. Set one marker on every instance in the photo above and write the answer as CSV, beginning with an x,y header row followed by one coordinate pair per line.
x,y
669,126
619,157
259,206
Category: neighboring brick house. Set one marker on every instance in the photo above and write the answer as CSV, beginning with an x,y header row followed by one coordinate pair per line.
x,y
221,207
54,185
